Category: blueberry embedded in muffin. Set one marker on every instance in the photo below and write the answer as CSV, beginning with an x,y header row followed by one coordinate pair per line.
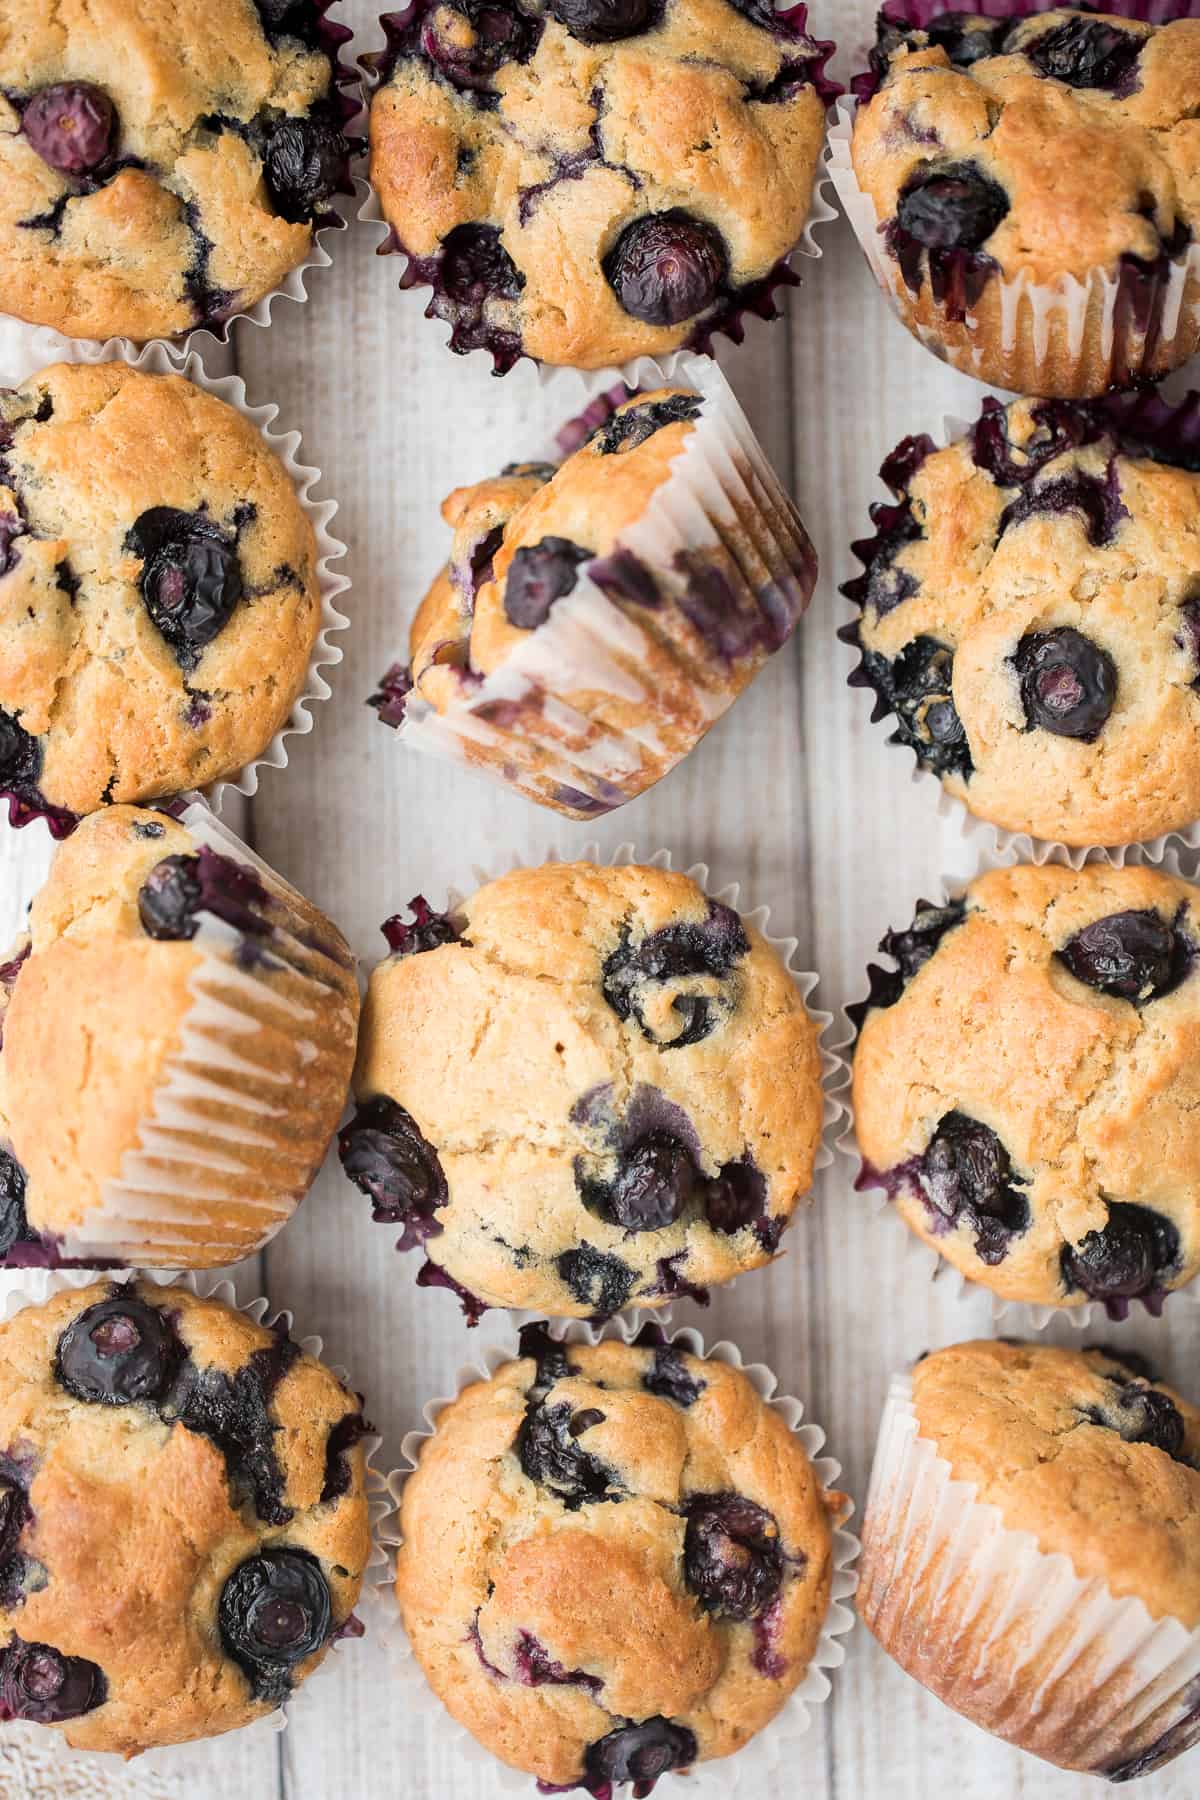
x,y
173,1477
165,168
638,1578
1041,1138
590,1088
1027,614
502,132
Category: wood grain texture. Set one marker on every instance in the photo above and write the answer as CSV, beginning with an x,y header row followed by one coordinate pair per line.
x,y
794,795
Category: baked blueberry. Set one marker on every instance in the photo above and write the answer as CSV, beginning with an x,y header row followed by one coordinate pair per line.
x,y
667,267
70,125
305,166
968,1178
386,1156
191,578
13,1223
1096,497
605,21
955,207
234,1411
601,1282
1086,53
1136,955
39,1683
429,930
539,575
476,267
549,1451
1141,1415
918,686
274,1611
119,1352
653,1184
669,1376
633,425
736,1197
1132,1257
1068,683
732,1556
639,1754
180,888
675,953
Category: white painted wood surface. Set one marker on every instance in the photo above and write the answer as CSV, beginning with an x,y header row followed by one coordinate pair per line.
x,y
794,795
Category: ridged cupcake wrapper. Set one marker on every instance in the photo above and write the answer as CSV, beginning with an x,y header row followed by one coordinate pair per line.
x,y
806,981
774,1753
722,516
211,1134
33,1287
920,1257
1008,1634
1071,338
43,348
1149,414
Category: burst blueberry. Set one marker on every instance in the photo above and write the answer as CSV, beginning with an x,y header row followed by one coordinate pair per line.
x,y
968,1178
1068,683
539,576
118,1352
596,1279
39,1683
273,1612
1132,1256
639,1754
476,267
633,427
1086,53
388,1158
604,21
305,165
13,1222
1136,956
180,888
655,1179
191,578
956,207
732,1556
549,1452
667,267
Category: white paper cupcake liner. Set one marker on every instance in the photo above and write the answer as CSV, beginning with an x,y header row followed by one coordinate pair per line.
x,y
722,507
1008,1634
776,1752
806,981
33,1287
921,1259
1066,338
211,1141
25,358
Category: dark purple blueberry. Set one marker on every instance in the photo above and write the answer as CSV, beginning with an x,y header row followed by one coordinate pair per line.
x,y
967,1178
342,1438
274,1611
391,702
596,1280
20,754
429,930
1132,1256
537,1668
917,686
1141,1415
954,207
476,266
70,125
605,21
1086,53
736,1197
1068,683
305,165
234,1412
118,1352
1060,425
14,1225
626,430
965,38
500,33
180,888
39,1683
1134,956
732,1556
387,1157
675,953
549,1452
538,575
638,1753
1096,497
191,578
670,1378
667,267
548,1353
912,949
14,1512
654,1182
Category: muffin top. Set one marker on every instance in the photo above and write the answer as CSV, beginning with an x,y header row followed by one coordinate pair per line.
x,y
1046,146
1086,1450
1027,1082
159,598
639,1566
587,1088
183,1516
162,165
586,181
94,1005
1029,615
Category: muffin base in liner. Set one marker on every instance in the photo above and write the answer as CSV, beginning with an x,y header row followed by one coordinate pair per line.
x,y
1008,1634
980,835
33,1287
921,1257
42,349
1071,338
210,1142
721,516
806,981
772,1753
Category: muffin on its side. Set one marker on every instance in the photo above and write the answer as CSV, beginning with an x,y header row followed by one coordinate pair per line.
x,y
178,1036
587,1089
640,1565
184,1524
1027,1083
1031,1550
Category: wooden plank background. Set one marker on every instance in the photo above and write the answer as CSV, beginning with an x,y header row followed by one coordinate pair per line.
x,y
794,795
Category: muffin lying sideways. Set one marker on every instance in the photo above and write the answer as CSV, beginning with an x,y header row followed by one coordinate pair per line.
x,y
183,1516
584,1089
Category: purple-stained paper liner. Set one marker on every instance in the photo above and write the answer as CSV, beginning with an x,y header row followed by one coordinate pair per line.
x,y
778,1750
921,1258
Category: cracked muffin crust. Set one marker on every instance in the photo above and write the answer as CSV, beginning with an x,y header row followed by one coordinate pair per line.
x,y
586,1089
640,1566
584,706
159,598
183,1516
177,1040
1025,1083
1030,614
162,166
1048,147
587,181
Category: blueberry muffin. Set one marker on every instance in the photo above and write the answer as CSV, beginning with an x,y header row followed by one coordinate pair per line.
x,y
183,1516
159,594
1030,613
597,617
178,1035
1026,1087
586,1088
1069,1468
1005,160
640,1565
587,181
163,166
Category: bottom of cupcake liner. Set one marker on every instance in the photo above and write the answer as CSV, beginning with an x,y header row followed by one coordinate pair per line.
x,y
773,1750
